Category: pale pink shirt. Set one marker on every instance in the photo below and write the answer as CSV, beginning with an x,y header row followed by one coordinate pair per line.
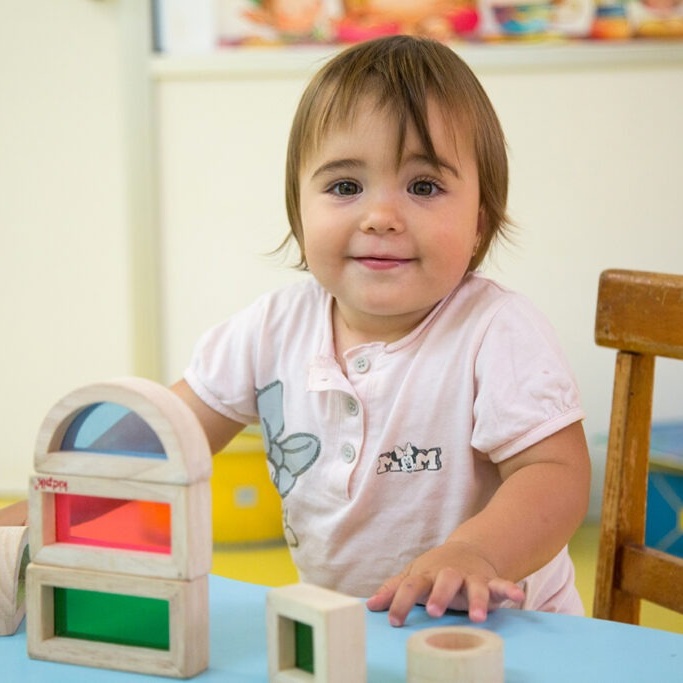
x,y
381,460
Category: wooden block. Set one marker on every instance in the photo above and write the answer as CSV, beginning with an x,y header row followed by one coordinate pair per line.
x,y
455,654
337,625
113,621
187,453
13,561
141,528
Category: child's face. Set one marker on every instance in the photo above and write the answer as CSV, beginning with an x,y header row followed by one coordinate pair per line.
x,y
388,241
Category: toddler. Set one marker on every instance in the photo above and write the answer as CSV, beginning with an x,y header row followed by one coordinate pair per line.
x,y
420,420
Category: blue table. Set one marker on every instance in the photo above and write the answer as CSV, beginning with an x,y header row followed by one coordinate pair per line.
x,y
539,647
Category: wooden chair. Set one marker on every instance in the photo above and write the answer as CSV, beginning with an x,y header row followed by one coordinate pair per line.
x,y
641,315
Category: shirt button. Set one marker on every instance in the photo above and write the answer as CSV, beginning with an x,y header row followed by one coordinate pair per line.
x,y
361,364
352,406
348,453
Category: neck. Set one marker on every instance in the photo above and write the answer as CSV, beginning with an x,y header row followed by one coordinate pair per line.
x,y
354,330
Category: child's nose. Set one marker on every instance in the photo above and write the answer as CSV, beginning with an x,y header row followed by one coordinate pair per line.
x,y
382,216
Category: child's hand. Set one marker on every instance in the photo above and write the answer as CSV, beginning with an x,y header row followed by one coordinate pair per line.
x,y
453,575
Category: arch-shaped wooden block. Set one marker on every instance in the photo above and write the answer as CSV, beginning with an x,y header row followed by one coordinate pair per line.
x,y
13,561
185,456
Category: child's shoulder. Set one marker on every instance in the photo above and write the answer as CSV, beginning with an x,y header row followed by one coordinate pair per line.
x,y
301,293
301,302
504,311
484,291
490,299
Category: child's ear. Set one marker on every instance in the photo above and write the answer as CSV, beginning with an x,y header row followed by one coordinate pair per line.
x,y
481,222
482,229
477,244
482,225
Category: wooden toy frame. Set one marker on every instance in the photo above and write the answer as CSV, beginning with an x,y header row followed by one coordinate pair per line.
x,y
191,548
338,624
188,457
120,511
187,655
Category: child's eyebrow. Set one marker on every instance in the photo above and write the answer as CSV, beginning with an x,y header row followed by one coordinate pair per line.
x,y
336,165
435,162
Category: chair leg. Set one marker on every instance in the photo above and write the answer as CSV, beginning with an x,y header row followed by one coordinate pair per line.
x,y
624,494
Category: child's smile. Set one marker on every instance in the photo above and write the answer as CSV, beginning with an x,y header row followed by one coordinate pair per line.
x,y
388,239
382,262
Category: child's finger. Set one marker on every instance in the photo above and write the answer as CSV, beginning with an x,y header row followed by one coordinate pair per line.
x,y
446,587
502,590
478,597
413,589
382,598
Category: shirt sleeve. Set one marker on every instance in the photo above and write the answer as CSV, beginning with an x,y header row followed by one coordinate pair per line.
x,y
525,389
221,369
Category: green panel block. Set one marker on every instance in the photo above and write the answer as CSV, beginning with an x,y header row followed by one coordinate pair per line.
x,y
303,639
112,618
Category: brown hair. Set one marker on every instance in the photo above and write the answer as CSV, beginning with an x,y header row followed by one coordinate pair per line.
x,y
402,73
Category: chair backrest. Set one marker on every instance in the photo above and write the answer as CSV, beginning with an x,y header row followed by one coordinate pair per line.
x,y
641,315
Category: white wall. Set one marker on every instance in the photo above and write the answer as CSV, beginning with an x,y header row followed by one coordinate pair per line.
x,y
222,149
595,153
65,302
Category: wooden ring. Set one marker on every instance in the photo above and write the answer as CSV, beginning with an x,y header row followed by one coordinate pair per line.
x,y
13,561
455,653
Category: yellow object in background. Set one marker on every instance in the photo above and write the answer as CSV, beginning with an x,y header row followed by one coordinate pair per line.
x,y
246,504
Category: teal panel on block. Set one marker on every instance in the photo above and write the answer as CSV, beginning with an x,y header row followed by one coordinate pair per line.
x,y
112,618
303,639
112,429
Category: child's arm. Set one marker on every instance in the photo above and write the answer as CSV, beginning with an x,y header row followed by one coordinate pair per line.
x,y
15,514
539,505
219,429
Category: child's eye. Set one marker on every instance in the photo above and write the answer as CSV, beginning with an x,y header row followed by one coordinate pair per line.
x,y
424,188
345,188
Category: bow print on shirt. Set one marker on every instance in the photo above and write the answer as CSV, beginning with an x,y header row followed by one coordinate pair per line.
x,y
289,456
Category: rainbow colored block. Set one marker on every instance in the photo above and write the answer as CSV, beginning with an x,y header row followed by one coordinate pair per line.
x,y
120,532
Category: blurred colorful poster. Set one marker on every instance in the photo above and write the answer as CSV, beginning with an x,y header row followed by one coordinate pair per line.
x,y
253,22
192,26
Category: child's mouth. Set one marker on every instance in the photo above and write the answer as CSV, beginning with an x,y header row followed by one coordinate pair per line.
x,y
382,262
